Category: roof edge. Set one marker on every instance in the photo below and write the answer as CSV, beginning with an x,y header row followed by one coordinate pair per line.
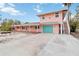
x,y
51,12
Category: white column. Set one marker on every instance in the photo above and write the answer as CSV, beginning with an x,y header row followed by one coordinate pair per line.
x,y
61,28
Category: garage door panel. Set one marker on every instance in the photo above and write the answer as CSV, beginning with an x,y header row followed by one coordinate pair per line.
x,y
47,29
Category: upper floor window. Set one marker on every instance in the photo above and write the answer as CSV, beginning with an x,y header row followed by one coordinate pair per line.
x,y
43,17
56,14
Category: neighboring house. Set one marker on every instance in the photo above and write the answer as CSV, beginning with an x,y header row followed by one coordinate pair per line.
x,y
30,27
51,22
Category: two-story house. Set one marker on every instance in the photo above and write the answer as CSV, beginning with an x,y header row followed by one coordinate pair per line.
x,y
51,22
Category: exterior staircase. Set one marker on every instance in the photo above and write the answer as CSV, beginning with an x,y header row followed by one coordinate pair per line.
x,y
66,26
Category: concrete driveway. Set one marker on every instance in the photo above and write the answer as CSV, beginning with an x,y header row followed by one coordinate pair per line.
x,y
40,44
61,45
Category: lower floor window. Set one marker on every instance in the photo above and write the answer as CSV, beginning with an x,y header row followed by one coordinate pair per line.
x,y
37,27
23,27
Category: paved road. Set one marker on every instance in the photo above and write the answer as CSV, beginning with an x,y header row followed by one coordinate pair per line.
x,y
40,44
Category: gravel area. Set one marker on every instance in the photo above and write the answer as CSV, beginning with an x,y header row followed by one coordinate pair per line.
x,y
75,34
4,38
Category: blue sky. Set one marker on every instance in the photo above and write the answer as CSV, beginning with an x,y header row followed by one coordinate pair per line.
x,y
26,12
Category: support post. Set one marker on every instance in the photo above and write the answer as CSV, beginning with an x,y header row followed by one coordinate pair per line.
x,y
61,29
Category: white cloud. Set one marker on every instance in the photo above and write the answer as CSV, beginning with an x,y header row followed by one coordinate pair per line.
x,y
11,4
10,9
62,5
37,9
2,5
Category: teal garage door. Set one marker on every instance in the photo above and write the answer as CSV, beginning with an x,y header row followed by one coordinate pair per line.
x,y
47,29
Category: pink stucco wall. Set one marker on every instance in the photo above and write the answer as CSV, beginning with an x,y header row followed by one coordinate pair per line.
x,y
51,17
56,28
32,29
29,29
17,29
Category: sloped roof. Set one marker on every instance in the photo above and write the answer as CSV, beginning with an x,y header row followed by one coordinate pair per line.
x,y
28,24
51,12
